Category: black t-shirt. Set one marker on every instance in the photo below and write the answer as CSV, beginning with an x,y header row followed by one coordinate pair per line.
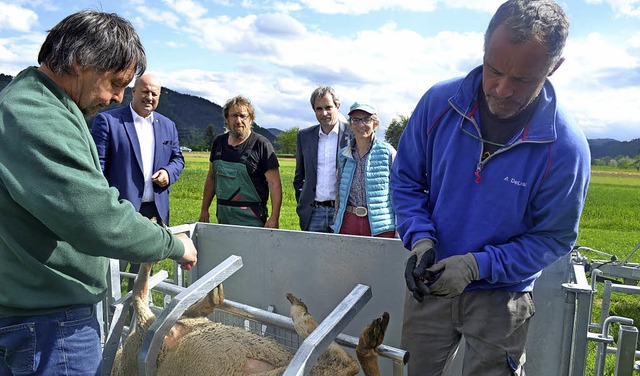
x,y
500,131
260,158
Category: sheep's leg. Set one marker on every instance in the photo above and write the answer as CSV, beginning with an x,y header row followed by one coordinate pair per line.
x,y
204,307
141,295
334,360
370,338
303,322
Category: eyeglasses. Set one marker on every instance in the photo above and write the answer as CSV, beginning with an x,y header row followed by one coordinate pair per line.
x,y
239,116
366,120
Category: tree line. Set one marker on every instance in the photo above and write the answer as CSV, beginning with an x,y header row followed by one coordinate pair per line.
x,y
604,152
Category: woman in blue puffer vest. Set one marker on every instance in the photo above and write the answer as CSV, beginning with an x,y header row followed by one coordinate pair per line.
x,y
364,202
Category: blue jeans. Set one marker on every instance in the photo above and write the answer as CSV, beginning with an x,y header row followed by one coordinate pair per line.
x,y
62,343
322,218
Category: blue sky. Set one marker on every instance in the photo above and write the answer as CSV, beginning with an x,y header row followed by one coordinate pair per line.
x,y
383,52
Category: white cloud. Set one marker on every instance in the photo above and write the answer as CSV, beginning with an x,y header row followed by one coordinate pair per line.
x,y
356,7
363,7
187,8
17,18
596,87
629,8
287,7
487,6
149,14
19,52
372,66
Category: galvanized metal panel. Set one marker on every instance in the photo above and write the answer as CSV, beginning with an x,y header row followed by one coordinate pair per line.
x,y
322,269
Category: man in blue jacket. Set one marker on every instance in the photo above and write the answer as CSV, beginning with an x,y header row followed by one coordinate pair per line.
x,y
139,151
488,187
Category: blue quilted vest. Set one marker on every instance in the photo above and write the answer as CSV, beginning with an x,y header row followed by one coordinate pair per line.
x,y
377,171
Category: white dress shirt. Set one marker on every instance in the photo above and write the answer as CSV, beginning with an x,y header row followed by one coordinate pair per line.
x,y
326,172
144,130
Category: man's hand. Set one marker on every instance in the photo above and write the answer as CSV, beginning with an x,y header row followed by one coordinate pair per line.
x,y
160,178
272,222
204,217
456,272
190,257
421,257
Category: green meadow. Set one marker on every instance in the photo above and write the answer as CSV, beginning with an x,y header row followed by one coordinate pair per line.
x,y
610,221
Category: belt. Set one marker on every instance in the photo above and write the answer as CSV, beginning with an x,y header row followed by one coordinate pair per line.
x,y
360,211
328,203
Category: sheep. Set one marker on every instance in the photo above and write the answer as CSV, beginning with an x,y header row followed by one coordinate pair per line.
x,y
197,346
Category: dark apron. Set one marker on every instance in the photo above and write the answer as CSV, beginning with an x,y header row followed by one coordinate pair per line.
x,y
238,201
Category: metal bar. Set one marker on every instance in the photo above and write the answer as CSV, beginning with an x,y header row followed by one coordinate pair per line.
x,y
632,290
614,350
120,308
159,329
187,228
113,340
583,298
113,294
567,332
625,357
178,272
328,329
594,281
395,354
601,349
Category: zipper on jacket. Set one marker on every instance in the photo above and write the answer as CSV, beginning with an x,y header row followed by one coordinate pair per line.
x,y
469,117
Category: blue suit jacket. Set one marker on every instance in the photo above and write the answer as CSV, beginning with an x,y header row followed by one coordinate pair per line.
x,y
119,150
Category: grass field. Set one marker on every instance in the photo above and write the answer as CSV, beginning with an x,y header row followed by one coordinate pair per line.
x,y
186,193
610,222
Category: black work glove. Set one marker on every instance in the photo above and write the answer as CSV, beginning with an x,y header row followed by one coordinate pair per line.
x,y
421,257
455,274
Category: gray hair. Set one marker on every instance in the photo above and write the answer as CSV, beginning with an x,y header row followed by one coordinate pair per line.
x,y
321,91
541,21
104,41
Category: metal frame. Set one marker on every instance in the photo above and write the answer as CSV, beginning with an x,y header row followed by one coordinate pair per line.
x,y
328,330
579,328
172,313
116,328
367,254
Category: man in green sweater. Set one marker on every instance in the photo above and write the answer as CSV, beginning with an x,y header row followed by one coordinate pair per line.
x,y
59,220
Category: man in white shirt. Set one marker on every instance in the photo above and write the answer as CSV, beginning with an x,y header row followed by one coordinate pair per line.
x,y
139,151
317,147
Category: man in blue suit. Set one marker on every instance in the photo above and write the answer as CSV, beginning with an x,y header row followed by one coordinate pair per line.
x,y
317,147
139,151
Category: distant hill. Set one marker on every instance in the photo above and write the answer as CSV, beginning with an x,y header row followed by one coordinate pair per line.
x,y
274,131
4,80
191,114
606,147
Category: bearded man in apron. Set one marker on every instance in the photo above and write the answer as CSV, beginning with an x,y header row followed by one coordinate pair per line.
x,y
243,172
